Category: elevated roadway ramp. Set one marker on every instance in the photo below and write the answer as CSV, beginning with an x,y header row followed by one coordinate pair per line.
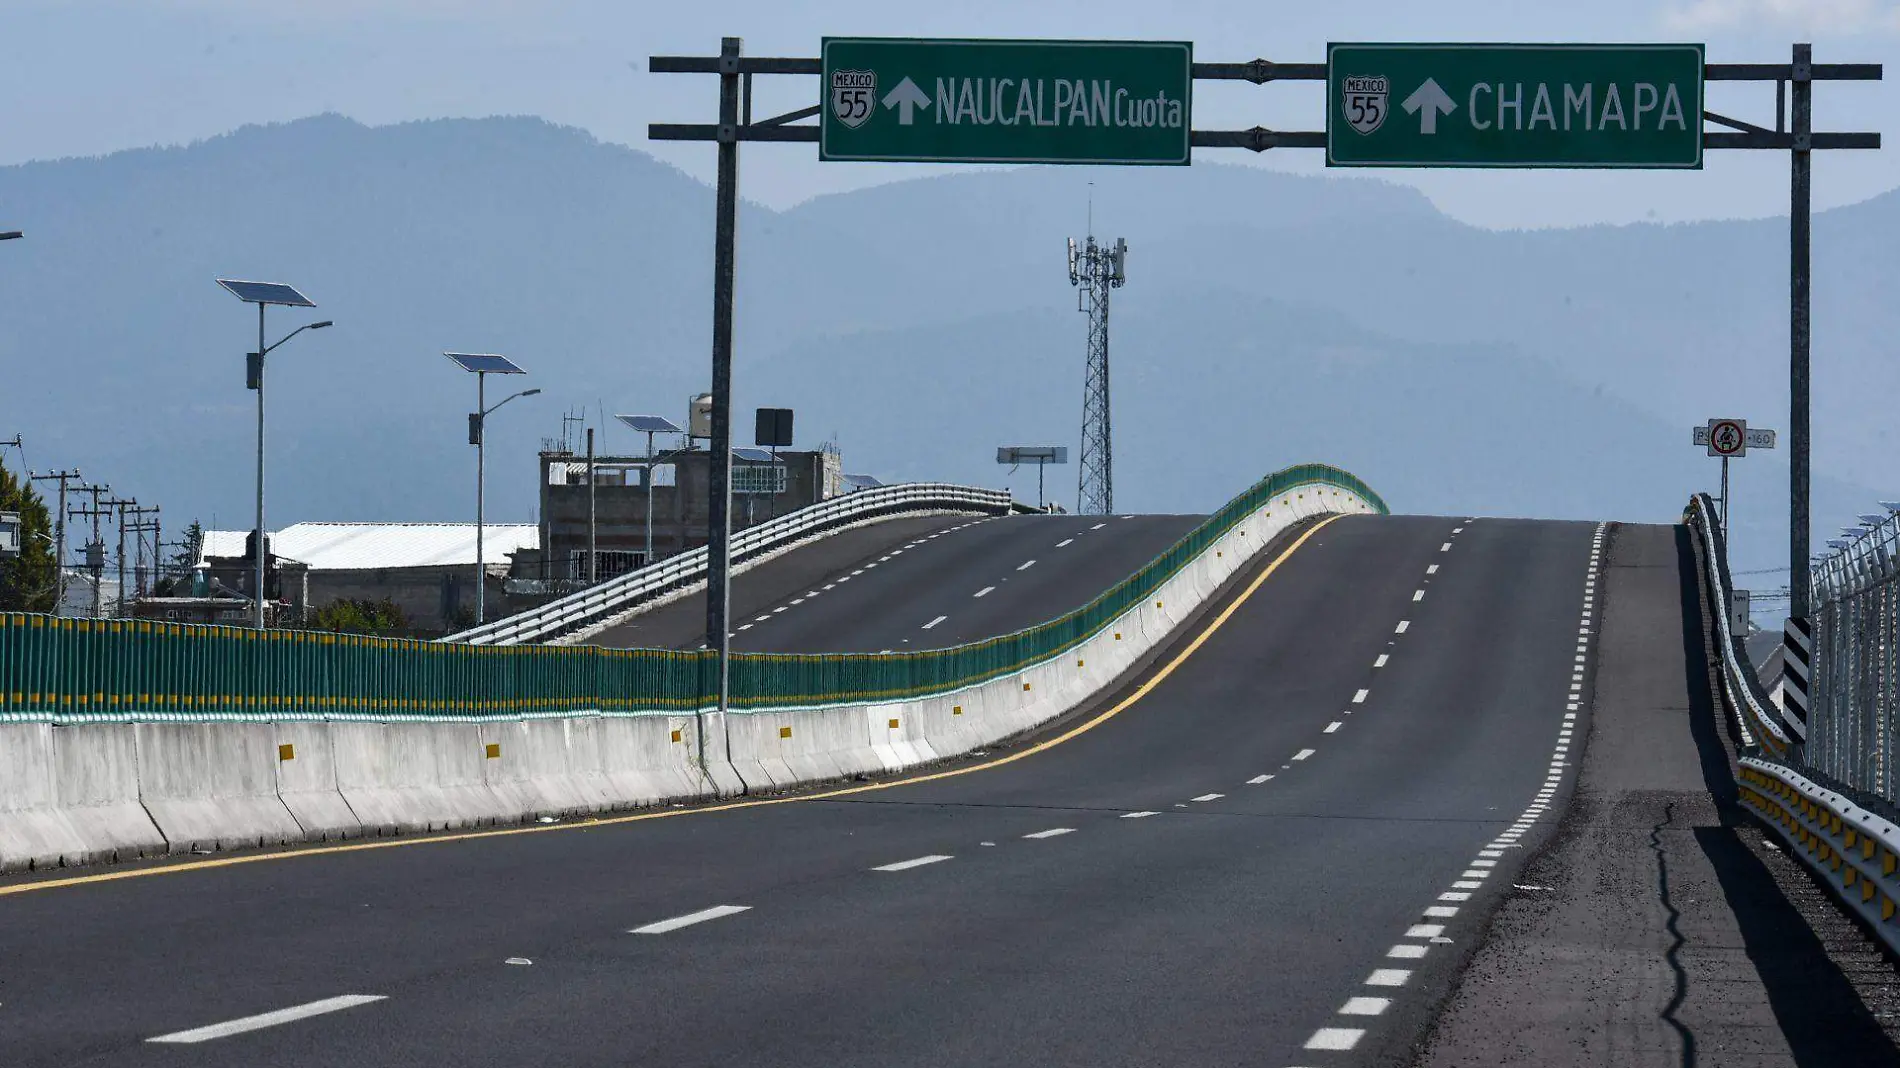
x,y
924,583
1276,845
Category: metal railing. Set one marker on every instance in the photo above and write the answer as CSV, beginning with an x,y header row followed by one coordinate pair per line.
x,y
1854,694
78,671
688,569
1754,710
1855,852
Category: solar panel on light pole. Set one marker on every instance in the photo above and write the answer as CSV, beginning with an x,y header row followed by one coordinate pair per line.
x,y
264,294
483,364
649,425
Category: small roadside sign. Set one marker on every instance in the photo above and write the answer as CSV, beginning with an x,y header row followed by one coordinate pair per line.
x,y
1728,437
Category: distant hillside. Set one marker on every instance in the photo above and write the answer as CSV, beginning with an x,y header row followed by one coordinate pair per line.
x,y
1269,318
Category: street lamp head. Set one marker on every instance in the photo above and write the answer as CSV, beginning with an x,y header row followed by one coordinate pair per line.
x,y
529,392
9,235
321,325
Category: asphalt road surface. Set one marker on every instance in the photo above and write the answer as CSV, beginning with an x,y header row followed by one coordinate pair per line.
x,y
1276,846
921,583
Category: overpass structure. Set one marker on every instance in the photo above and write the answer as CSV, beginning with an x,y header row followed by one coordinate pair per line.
x,y
1297,783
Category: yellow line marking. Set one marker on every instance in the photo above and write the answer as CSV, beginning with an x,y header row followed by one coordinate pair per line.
x,y
1079,729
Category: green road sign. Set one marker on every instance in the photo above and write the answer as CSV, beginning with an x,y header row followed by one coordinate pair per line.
x,y
1506,105
954,101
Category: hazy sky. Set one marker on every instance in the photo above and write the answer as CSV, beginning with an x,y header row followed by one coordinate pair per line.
x,y
83,77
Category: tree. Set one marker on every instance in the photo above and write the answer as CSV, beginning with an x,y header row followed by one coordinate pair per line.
x,y
351,616
174,575
28,582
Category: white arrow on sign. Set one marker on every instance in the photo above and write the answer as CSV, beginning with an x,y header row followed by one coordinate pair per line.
x,y
1428,101
904,96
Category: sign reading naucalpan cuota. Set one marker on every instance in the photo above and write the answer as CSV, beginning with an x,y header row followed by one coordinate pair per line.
x,y
1511,105
993,101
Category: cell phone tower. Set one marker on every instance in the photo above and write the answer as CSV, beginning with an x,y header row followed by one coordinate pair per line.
x,y
1094,270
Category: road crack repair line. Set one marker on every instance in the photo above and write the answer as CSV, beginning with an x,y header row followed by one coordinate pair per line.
x,y
1418,938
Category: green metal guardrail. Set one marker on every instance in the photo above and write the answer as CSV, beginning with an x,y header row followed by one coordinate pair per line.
x,y
81,670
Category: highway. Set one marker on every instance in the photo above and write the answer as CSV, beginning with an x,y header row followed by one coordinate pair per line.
x,y
916,583
1276,846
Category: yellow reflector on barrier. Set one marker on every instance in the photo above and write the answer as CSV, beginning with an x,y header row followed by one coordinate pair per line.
x,y
956,710
893,724
286,751
784,732
1025,686
676,736
494,750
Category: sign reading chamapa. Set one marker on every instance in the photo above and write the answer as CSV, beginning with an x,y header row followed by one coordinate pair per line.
x,y
1513,105
994,101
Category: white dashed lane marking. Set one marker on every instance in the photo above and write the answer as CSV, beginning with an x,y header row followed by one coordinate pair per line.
x,y
1360,697
1026,565
1099,526
1208,797
1432,570
1404,624
1445,548
1065,542
1379,663
691,918
914,862
1053,832
1335,1038
935,621
985,591
1258,779
1418,595
1303,754
1331,727
1480,868
1138,815
268,1019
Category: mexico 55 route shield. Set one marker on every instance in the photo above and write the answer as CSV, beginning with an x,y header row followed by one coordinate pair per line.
x,y
1506,105
953,101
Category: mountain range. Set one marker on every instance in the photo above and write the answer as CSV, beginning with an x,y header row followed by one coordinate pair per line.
x,y
1268,319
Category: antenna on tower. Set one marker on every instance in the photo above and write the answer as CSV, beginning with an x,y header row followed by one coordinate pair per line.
x,y
1094,270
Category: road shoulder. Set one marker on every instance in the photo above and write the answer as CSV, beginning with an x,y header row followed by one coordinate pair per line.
x,y
1656,927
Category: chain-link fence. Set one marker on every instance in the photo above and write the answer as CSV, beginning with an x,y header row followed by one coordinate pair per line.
x,y
1853,697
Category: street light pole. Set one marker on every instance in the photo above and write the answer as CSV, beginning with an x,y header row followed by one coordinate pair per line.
x,y
257,591
262,294
648,558
482,364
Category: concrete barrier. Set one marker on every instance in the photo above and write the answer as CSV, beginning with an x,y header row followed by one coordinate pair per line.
x,y
70,795
213,785
409,776
306,781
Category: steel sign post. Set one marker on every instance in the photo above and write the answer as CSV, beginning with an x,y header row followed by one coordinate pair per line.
x,y
1728,439
997,101
1512,105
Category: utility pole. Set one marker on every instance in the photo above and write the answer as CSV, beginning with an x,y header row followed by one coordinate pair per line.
x,y
96,548
119,508
59,533
1096,269
139,528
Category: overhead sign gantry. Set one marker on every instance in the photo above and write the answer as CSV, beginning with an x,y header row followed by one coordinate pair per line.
x,y
1466,105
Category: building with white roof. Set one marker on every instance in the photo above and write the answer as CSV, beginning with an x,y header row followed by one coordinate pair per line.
x,y
427,569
